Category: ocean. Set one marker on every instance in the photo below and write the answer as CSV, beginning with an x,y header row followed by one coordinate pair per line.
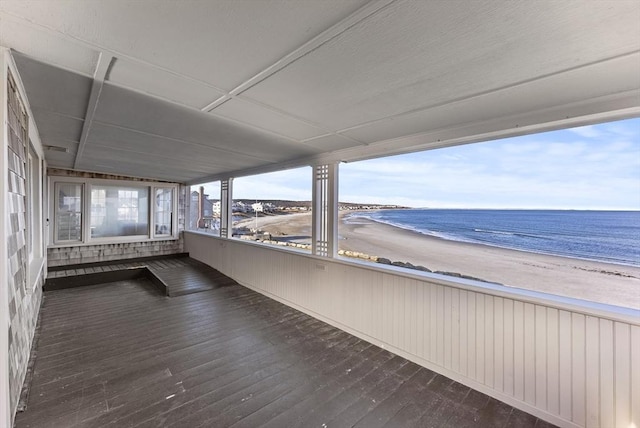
x,y
608,236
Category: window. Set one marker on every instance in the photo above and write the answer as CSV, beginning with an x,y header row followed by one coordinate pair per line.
x,y
556,212
119,211
116,211
274,208
205,207
163,211
98,207
68,213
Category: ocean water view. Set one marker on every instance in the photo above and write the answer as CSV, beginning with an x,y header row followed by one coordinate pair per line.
x,y
607,236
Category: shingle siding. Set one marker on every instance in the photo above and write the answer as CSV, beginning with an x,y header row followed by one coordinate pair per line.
x,y
24,301
106,252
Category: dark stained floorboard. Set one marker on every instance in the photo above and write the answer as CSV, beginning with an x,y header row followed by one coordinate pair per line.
x,y
180,275
120,354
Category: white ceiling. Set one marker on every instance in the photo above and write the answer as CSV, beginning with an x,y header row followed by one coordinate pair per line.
x,y
192,90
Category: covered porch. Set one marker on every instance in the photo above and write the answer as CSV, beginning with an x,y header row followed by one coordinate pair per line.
x,y
227,357
136,102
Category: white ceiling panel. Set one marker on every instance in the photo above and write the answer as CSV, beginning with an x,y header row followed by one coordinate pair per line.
x,y
161,83
56,159
58,144
54,127
617,76
222,42
54,89
416,54
329,143
156,160
262,117
45,45
139,144
151,166
133,110
304,81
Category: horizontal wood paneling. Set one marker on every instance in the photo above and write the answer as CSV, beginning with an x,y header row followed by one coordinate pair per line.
x,y
570,366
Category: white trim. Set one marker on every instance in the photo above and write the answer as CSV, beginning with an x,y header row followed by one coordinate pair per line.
x,y
35,271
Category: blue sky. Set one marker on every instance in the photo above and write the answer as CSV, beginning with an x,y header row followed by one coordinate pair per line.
x,y
590,167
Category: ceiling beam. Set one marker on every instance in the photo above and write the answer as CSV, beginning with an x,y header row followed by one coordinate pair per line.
x,y
99,76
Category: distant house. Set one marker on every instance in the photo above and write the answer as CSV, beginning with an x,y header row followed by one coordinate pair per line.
x,y
211,209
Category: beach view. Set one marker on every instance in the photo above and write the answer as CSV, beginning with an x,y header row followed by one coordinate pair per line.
x,y
557,212
611,283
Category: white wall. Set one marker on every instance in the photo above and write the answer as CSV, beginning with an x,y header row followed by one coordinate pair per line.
x,y
570,364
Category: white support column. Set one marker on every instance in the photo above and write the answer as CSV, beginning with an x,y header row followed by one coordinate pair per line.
x,y
324,233
226,208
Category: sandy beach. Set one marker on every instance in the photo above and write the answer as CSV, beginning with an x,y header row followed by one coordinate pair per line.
x,y
290,227
601,282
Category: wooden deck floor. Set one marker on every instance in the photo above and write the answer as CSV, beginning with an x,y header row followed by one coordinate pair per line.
x,y
179,275
122,354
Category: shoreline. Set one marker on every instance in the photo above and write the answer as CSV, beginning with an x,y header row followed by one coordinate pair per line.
x,y
603,282
417,232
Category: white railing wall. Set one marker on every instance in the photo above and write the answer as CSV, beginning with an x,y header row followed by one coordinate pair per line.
x,y
570,363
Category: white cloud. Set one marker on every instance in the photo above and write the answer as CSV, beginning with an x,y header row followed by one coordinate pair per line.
x,y
550,170
589,131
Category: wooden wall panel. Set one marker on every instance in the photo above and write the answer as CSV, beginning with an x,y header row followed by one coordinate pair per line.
x,y
540,354
557,360
508,354
566,364
498,343
592,370
578,369
464,333
606,374
635,379
553,361
622,380
529,354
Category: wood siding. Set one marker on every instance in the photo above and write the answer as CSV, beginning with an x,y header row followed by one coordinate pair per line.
x,y
23,299
565,362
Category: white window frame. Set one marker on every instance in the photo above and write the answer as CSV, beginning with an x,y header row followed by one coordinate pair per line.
x,y
86,211
30,205
152,211
54,212
111,239
34,204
